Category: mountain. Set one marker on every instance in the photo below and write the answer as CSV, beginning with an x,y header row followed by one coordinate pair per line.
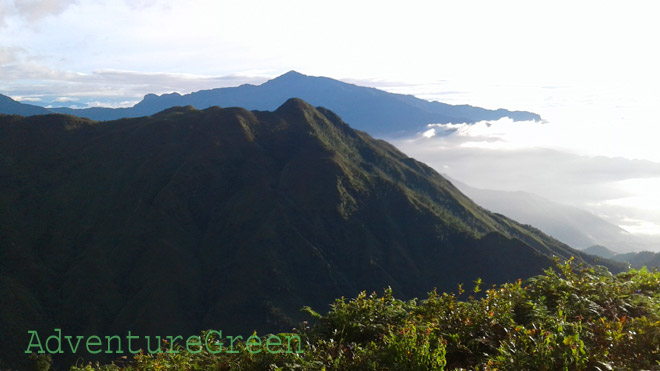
x,y
228,219
9,106
569,224
601,251
368,109
648,259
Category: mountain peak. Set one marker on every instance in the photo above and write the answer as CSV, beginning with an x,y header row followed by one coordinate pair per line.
x,y
295,104
293,74
4,98
10,106
175,110
289,77
154,97
368,109
150,96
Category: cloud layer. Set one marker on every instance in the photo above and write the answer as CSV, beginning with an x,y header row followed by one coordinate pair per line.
x,y
107,88
503,155
31,10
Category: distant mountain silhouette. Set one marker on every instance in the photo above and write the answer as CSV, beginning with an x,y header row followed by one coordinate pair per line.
x,y
637,260
228,219
601,251
374,111
571,225
648,259
9,106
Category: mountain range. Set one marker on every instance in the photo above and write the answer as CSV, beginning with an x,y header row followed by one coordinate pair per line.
x,y
9,106
571,225
648,259
637,260
228,219
375,111
601,251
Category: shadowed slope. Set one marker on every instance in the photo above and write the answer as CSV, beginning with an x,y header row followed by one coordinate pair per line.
x,y
9,106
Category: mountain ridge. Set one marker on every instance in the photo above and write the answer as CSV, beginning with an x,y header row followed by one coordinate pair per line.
x,y
10,106
369,109
571,225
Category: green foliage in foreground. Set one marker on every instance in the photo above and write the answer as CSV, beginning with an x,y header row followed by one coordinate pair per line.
x,y
570,318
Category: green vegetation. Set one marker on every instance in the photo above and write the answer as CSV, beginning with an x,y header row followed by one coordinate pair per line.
x,y
639,259
569,318
636,260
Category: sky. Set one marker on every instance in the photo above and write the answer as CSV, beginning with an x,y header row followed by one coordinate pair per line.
x,y
589,68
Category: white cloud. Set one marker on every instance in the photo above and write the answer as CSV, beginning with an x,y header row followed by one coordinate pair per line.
x,y
643,227
143,4
37,9
9,55
27,70
32,10
66,99
180,82
429,133
110,88
26,99
510,156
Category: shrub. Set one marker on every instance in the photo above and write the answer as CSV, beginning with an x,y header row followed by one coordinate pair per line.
x,y
569,318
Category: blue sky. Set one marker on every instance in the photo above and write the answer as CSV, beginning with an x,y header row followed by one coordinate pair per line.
x,y
588,67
